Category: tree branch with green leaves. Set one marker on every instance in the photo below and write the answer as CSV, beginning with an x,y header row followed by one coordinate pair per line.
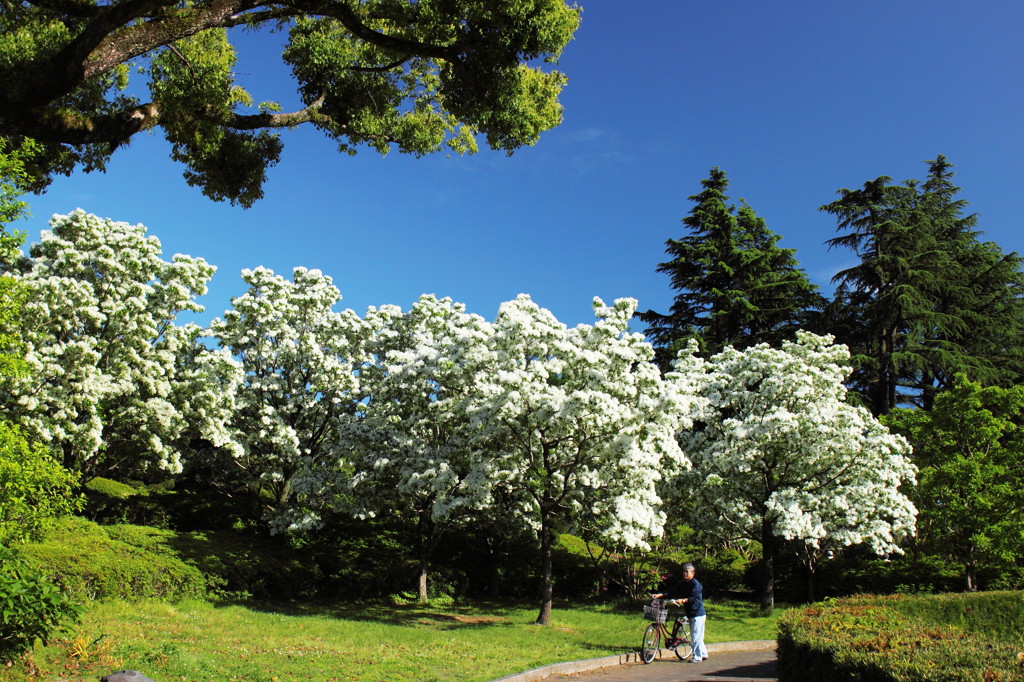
x,y
416,76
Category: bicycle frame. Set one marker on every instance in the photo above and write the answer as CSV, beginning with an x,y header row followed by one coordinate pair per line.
x,y
678,640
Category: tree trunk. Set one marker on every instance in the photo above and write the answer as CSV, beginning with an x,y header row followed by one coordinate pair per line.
x,y
768,566
423,582
494,565
546,539
427,533
970,577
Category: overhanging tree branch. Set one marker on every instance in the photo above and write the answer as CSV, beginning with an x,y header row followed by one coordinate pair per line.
x,y
380,74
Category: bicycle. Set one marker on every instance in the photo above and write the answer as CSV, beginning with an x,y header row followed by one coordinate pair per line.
x,y
678,641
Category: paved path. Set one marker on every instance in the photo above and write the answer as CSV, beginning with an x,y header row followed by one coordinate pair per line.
x,y
730,666
729,662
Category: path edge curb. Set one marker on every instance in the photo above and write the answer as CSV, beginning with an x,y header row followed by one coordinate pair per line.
x,y
571,667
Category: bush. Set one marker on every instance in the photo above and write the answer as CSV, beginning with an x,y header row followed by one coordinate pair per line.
x,y
36,488
859,572
137,562
93,562
31,607
724,571
244,565
367,559
998,615
577,572
901,639
112,502
114,490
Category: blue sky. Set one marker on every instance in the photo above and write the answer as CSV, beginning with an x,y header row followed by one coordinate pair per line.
x,y
793,99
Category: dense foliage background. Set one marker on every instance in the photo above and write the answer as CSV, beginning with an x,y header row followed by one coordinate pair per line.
x,y
292,451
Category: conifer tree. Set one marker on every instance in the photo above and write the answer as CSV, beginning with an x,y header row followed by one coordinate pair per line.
x,y
736,286
982,292
881,301
927,299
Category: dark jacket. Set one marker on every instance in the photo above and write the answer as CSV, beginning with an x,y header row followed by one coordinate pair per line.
x,y
693,592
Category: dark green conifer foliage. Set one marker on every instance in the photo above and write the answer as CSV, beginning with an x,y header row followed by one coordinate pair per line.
x,y
881,301
927,299
982,294
736,285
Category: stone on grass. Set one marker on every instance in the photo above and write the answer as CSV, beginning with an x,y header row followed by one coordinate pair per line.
x,y
125,676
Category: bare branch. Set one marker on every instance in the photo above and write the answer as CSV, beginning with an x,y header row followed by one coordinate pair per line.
x,y
180,56
380,69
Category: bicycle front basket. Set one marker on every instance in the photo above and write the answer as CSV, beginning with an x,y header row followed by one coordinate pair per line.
x,y
655,614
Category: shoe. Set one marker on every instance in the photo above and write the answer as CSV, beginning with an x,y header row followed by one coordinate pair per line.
x,y
696,660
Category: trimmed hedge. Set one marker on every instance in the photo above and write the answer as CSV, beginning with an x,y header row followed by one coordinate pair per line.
x,y
999,615
92,561
89,561
904,639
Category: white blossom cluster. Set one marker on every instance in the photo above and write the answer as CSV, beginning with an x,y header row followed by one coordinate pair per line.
x,y
300,362
106,375
577,419
439,412
777,443
551,420
411,450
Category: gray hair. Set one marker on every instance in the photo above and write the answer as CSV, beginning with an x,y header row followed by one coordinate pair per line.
x,y
689,567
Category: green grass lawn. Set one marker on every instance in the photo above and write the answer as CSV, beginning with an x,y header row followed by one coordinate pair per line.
x,y
204,642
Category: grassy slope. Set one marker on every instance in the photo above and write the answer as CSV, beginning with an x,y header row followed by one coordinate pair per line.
x,y
199,641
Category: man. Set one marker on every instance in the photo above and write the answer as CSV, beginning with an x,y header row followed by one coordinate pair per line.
x,y
692,600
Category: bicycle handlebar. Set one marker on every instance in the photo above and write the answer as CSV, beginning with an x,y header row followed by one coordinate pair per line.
x,y
674,602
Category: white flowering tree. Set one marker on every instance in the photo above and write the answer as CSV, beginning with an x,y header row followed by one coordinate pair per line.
x,y
410,453
35,487
575,423
779,454
107,363
300,360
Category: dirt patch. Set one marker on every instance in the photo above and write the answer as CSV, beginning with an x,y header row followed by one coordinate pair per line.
x,y
476,620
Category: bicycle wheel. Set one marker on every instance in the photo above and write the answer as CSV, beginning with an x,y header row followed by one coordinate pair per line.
x,y
649,647
684,649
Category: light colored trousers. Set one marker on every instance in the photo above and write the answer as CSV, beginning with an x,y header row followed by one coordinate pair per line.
x,y
697,636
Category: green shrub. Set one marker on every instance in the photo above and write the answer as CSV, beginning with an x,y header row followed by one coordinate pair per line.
x,y
110,502
31,607
857,571
245,565
36,488
95,562
899,639
578,573
998,615
724,570
135,562
111,489
368,559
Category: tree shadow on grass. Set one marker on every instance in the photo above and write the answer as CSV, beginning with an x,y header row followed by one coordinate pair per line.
x,y
410,615
602,650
